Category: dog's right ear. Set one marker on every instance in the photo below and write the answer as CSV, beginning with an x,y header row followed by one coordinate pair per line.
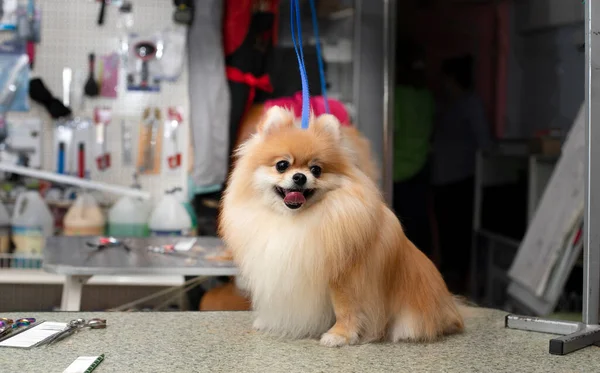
x,y
330,124
274,118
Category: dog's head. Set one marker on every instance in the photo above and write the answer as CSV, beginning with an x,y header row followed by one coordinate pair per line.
x,y
289,168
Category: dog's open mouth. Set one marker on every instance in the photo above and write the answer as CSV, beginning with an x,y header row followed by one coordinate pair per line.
x,y
294,198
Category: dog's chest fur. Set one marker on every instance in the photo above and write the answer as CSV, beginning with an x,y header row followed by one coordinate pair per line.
x,y
283,268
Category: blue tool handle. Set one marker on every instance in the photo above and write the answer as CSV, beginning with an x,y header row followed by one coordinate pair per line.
x,y
60,167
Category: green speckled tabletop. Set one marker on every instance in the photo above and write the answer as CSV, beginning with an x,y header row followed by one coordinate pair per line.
x,y
224,342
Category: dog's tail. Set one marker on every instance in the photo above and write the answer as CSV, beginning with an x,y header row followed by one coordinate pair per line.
x,y
466,308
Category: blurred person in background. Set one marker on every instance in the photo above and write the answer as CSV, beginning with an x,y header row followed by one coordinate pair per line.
x,y
414,112
461,129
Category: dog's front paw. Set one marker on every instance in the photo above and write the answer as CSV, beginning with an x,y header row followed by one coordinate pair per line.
x,y
336,340
258,324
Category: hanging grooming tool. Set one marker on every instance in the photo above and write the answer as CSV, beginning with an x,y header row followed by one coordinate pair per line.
x,y
149,142
8,94
67,79
63,132
124,26
126,142
171,129
109,78
60,166
145,51
33,28
153,137
91,88
102,117
63,138
101,13
143,62
40,93
81,160
10,87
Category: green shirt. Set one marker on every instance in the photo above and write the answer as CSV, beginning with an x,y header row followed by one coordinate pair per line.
x,y
414,111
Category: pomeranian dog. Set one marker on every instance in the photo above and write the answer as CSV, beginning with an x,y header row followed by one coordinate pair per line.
x,y
318,250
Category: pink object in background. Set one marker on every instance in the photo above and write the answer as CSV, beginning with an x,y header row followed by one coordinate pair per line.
x,y
110,75
317,105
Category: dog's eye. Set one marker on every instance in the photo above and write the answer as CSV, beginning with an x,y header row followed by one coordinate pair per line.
x,y
316,171
281,166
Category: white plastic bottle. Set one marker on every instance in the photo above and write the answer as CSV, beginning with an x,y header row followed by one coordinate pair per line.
x,y
169,217
31,223
128,218
178,193
4,230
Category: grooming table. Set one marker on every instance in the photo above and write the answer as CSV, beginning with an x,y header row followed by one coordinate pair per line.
x,y
225,342
70,256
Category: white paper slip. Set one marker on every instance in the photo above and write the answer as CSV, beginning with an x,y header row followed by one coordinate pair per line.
x,y
34,335
84,364
185,245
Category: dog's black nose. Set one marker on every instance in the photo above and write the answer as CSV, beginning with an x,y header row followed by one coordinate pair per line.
x,y
299,179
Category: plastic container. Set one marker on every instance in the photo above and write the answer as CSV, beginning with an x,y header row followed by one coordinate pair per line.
x,y
178,193
84,218
190,210
129,218
31,223
4,230
169,217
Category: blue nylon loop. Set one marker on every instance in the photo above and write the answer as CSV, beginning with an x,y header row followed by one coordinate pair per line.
x,y
313,12
296,28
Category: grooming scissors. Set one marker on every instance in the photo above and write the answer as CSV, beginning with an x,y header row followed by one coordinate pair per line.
x,y
73,327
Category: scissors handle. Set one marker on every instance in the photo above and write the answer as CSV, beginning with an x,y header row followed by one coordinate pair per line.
x,y
95,324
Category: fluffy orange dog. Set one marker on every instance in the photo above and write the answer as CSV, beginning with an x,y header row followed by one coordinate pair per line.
x,y
318,249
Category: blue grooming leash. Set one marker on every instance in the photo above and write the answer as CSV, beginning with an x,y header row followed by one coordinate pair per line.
x,y
313,12
296,27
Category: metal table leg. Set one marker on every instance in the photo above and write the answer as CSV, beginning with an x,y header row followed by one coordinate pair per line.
x,y
586,333
574,335
71,294
536,324
587,336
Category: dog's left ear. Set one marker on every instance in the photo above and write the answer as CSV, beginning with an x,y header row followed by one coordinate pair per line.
x,y
330,124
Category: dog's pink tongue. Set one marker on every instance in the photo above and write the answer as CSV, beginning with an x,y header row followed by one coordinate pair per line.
x,y
294,197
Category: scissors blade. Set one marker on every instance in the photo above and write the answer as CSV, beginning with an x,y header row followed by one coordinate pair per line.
x,y
60,336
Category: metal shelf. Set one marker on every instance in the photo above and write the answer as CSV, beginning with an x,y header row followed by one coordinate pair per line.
x,y
40,277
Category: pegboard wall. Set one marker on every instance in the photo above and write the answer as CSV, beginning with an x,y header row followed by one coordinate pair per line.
x,y
69,32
